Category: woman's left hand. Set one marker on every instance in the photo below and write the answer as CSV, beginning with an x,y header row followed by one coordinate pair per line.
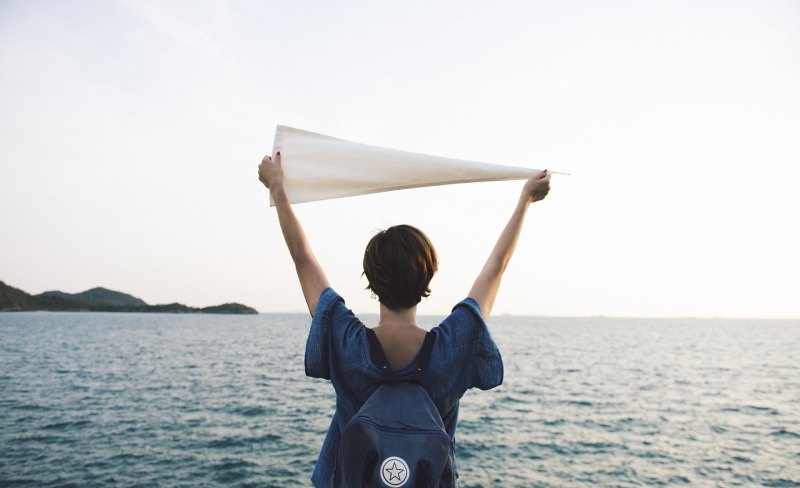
x,y
270,172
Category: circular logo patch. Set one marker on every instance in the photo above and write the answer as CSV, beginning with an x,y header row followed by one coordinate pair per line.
x,y
394,471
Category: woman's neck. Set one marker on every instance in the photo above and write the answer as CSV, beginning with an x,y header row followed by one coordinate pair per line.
x,y
403,316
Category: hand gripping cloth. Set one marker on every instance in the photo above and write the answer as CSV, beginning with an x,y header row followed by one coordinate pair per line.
x,y
318,167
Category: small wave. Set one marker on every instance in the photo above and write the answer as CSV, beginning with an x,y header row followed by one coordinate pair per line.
x,y
513,399
785,433
534,447
230,476
760,409
227,442
19,482
38,439
266,438
597,446
252,411
679,479
28,407
781,482
230,464
230,470
126,456
653,454
594,424
579,403
468,450
283,472
66,425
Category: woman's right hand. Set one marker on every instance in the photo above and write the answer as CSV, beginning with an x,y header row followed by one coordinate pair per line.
x,y
537,187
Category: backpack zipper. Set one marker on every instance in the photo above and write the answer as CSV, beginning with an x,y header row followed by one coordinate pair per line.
x,y
398,430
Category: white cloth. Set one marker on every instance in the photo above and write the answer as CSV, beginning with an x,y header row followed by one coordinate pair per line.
x,y
318,167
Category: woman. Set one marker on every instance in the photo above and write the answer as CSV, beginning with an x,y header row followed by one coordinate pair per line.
x,y
398,264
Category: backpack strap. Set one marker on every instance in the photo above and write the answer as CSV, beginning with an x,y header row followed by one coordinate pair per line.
x,y
424,358
369,468
422,474
376,352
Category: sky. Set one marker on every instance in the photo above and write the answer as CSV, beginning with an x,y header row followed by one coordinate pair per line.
x,y
131,131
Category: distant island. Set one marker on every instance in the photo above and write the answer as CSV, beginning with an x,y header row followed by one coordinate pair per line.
x,y
100,300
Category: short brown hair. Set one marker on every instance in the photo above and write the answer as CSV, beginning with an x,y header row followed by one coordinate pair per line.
x,y
399,264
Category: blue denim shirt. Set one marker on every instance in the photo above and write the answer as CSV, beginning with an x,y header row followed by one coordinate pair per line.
x,y
464,356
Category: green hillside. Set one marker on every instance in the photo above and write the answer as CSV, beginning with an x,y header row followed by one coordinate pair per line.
x,y
228,308
12,299
58,300
100,300
104,297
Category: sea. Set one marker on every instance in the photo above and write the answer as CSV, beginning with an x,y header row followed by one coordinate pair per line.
x,y
149,400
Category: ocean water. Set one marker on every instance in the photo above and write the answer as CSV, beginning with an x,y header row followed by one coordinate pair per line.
x,y
94,399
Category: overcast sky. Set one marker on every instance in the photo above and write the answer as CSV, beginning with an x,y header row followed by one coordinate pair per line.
x,y
130,133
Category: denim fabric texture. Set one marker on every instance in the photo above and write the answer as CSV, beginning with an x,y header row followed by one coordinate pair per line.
x,y
464,356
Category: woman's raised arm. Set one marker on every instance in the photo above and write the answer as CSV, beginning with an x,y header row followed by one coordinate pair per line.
x,y
484,290
312,278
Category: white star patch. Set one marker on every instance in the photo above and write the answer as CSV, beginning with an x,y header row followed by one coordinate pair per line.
x,y
394,471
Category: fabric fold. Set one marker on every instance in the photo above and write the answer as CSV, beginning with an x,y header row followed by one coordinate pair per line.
x,y
319,167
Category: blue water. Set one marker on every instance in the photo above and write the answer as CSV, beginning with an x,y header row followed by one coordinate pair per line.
x,y
91,399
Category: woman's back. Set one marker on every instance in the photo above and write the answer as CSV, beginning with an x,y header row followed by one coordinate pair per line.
x,y
400,342
340,349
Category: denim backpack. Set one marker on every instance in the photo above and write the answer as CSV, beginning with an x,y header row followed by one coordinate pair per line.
x,y
397,437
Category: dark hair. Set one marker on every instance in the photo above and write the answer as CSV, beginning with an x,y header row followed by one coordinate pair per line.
x,y
399,264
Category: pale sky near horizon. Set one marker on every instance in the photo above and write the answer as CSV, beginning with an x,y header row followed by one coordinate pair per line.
x,y
130,134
